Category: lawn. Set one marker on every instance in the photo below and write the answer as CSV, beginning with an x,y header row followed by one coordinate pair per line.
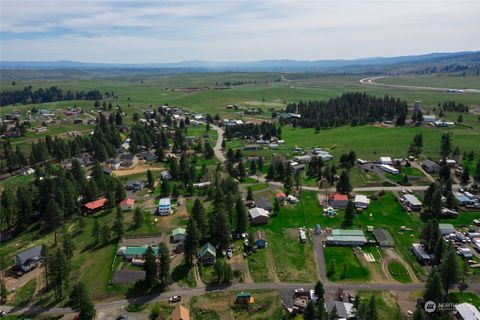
x,y
470,297
398,272
387,307
343,265
294,262
222,305
465,218
258,266
25,293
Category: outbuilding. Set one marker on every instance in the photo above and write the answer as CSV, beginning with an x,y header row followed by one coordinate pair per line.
x,y
383,237
446,228
258,216
385,160
361,201
341,237
179,235
260,240
207,254
430,166
412,202
127,204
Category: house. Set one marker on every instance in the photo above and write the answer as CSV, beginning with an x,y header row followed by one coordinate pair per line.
x,y
202,185
280,196
135,185
361,201
421,254
302,159
164,207
165,175
128,160
430,166
244,298
127,204
180,313
383,237
324,155
341,237
258,216
389,169
385,160
290,115
207,254
446,228
259,238
448,213
337,200
252,147
148,156
264,204
113,164
429,118
29,259
137,252
412,202
179,235
466,311
345,310
295,166
94,206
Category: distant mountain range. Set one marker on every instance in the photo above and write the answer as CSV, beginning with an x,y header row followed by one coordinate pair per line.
x,y
401,64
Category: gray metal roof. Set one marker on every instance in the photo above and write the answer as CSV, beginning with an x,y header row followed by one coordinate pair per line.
x,y
383,236
410,198
29,253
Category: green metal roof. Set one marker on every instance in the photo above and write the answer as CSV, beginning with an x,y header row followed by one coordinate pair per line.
x,y
138,251
178,231
244,295
207,248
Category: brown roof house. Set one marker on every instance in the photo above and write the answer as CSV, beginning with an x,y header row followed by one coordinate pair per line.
x,y
180,313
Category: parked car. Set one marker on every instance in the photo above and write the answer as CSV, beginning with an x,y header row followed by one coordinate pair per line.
x,y
175,299
318,229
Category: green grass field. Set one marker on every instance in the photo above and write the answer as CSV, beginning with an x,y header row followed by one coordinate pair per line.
x,y
398,272
343,265
441,81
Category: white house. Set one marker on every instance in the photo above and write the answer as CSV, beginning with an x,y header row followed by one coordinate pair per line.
x,y
164,208
385,160
361,201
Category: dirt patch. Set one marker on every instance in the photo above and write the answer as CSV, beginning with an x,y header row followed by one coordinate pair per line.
x,y
375,275
271,265
135,170
393,255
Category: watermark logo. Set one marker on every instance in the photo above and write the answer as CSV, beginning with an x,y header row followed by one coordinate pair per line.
x,y
430,306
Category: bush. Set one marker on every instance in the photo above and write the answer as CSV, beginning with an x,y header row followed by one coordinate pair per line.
x,y
135,307
155,312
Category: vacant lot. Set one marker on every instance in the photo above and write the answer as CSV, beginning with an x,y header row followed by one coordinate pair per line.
x,y
398,272
343,265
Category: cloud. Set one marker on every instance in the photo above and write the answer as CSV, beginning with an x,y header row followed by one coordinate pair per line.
x,y
144,31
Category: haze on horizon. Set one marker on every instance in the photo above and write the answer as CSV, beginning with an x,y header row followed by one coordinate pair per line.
x,y
172,31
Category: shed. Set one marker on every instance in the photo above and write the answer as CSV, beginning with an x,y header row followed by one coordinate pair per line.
x,y
383,237
178,234
207,254
258,216
430,166
385,160
245,298
260,240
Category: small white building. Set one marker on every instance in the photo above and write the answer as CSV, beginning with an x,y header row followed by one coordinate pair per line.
x,y
385,160
466,311
164,207
389,169
361,201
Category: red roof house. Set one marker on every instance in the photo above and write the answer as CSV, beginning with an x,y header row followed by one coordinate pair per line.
x,y
280,196
93,206
337,200
127,204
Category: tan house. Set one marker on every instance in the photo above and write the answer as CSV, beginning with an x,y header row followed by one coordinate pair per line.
x,y
180,313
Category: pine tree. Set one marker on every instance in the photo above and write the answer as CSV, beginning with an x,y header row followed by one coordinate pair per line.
x,y
449,269
68,246
319,292
78,295
434,288
150,267
249,194
105,234
241,213
310,312
118,225
96,231
445,145
175,192
349,215
150,180
164,263
137,217
242,173
372,309
3,291
419,314
24,207
54,217
59,273
198,214
343,185
191,241
465,175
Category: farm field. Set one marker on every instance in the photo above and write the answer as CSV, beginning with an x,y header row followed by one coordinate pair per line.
x,y
442,81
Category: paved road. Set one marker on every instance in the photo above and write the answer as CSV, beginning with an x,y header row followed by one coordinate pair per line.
x,y
371,81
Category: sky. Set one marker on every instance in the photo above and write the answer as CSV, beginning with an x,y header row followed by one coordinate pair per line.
x,y
240,30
